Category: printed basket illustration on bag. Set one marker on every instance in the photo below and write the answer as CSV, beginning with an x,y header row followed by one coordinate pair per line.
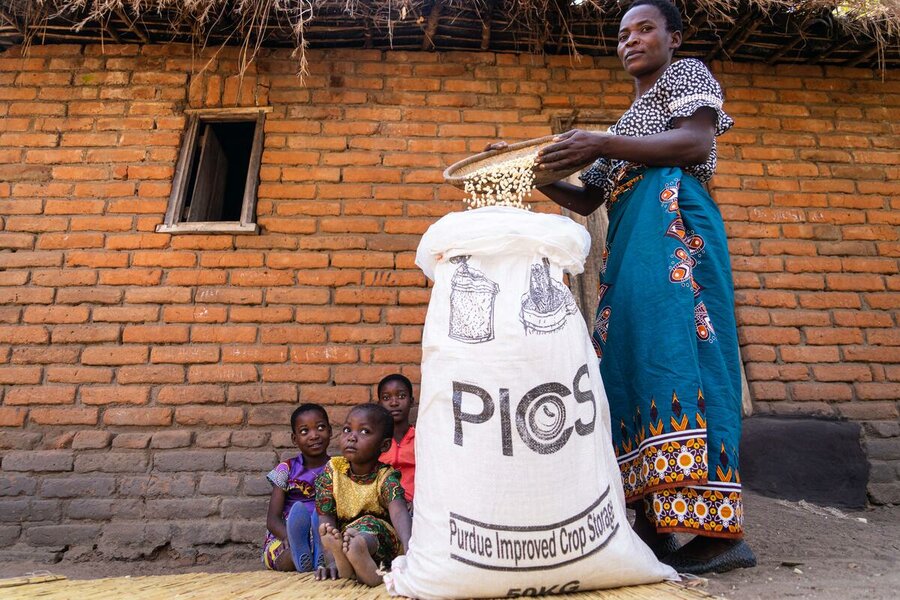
x,y
472,300
547,302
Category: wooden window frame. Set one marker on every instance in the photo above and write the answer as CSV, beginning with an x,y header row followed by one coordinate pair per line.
x,y
196,118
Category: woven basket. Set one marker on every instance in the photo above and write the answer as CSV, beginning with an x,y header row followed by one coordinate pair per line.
x,y
456,173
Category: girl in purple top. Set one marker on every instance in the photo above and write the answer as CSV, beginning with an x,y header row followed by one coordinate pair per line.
x,y
292,522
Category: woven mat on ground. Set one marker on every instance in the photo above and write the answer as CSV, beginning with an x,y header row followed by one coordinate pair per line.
x,y
260,585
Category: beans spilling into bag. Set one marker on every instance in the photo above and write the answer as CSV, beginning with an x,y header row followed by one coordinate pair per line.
x,y
505,183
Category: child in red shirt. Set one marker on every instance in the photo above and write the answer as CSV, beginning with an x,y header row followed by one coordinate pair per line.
x,y
395,393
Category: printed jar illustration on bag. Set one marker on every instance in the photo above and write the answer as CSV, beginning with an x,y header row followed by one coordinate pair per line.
x,y
471,304
518,492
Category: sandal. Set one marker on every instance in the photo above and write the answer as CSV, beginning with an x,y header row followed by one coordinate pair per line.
x,y
665,545
738,556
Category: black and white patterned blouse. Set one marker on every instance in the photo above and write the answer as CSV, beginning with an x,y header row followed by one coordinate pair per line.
x,y
685,86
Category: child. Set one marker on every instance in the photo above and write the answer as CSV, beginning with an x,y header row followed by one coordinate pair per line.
x,y
292,522
395,393
364,519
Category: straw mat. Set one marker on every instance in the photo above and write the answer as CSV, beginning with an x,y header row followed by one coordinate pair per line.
x,y
261,585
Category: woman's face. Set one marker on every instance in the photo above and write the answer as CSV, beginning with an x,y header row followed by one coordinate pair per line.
x,y
644,44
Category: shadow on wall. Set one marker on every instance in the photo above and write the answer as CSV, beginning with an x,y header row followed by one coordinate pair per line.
x,y
816,460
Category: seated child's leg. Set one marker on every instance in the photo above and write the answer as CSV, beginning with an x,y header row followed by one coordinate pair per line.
x,y
331,541
359,548
387,546
302,537
276,557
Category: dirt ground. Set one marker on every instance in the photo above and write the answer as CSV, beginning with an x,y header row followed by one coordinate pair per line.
x,y
804,551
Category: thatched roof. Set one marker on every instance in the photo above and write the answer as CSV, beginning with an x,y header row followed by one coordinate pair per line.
x,y
864,33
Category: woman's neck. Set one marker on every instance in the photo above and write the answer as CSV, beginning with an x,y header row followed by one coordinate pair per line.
x,y
400,431
643,83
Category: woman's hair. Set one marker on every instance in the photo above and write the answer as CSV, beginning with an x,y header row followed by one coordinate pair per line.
x,y
308,407
380,414
669,12
395,377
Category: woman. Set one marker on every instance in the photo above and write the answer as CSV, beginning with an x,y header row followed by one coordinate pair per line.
x,y
665,330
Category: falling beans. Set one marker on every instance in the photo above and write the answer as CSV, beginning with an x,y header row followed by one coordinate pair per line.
x,y
505,183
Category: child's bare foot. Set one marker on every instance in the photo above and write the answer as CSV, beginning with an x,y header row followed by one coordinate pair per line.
x,y
331,539
358,548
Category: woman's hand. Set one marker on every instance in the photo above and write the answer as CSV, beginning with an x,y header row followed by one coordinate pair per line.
x,y
572,149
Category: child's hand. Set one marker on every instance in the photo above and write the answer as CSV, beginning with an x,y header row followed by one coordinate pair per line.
x,y
326,572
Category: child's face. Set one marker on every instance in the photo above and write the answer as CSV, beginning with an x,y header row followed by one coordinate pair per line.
x,y
362,440
312,432
397,399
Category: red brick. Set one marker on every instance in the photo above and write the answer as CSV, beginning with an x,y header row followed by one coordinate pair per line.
x,y
102,259
91,295
829,300
228,296
796,317
254,354
131,277
23,334
261,314
405,316
114,394
361,334
138,417
263,393
150,374
331,395
55,314
63,416
31,355
126,314
12,417
842,372
79,374
90,333
877,390
40,394
191,394
811,354
231,259
19,375
114,355
222,373
194,314
868,318
27,295
159,334
829,335
184,354
296,373
768,390
56,241
217,416
230,334
167,259
831,392
323,354
855,282
298,295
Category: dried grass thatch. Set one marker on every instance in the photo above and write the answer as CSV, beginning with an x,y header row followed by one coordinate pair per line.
x,y
849,31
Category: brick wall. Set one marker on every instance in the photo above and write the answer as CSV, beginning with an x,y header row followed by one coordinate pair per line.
x,y
146,379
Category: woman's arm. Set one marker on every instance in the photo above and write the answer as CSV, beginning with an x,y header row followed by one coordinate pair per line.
x,y
401,520
274,522
583,200
687,143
